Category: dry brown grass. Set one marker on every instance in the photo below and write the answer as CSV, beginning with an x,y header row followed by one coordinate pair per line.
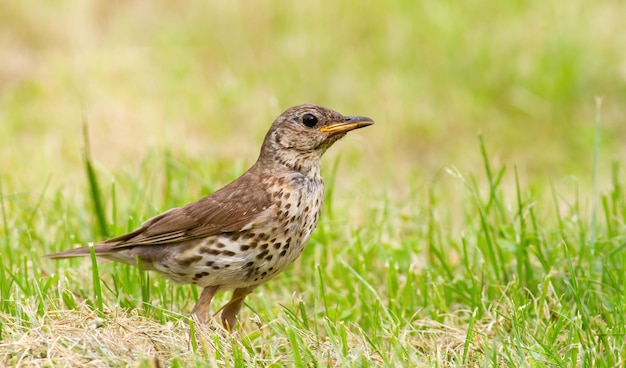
x,y
80,338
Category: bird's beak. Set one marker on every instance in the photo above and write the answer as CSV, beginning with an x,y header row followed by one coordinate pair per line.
x,y
349,123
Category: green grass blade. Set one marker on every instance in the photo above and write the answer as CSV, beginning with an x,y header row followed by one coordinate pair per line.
x,y
493,183
295,348
469,337
594,177
94,188
95,274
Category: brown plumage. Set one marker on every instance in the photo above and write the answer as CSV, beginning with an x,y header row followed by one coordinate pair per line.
x,y
248,231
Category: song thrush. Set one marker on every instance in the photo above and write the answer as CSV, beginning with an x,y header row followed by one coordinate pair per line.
x,y
249,231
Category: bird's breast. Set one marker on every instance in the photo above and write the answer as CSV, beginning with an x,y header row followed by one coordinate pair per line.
x,y
297,203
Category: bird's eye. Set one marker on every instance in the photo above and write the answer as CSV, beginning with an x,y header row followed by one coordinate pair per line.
x,y
309,120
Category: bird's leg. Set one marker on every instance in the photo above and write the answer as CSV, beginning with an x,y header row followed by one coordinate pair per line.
x,y
201,309
229,314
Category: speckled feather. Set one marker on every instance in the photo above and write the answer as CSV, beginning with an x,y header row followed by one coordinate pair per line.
x,y
248,231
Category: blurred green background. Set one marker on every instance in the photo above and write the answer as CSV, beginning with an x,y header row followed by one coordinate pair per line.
x,y
206,78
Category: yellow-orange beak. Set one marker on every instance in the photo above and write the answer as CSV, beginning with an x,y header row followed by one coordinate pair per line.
x,y
350,123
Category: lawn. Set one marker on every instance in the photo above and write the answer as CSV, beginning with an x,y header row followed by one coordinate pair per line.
x,y
480,222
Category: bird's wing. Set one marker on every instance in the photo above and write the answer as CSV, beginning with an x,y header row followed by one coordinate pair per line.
x,y
237,206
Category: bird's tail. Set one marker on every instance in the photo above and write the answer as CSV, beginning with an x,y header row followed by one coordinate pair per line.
x,y
99,249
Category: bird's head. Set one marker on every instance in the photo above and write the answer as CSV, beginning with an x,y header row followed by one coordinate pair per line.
x,y
303,133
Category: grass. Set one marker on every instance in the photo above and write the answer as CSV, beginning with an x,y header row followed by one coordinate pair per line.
x,y
437,246
507,278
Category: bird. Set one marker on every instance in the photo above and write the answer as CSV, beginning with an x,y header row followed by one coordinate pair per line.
x,y
250,230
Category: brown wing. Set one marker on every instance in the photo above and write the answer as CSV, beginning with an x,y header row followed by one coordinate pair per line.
x,y
229,209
